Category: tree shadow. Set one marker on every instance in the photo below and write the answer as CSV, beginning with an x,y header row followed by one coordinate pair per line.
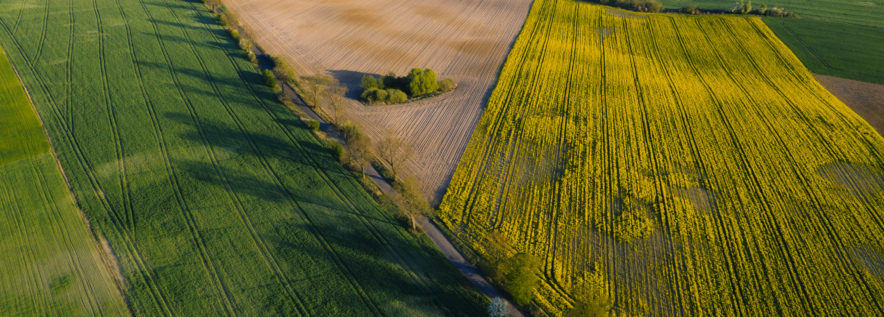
x,y
350,80
260,151
386,270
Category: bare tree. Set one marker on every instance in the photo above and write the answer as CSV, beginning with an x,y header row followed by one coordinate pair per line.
x,y
358,145
317,88
336,100
410,201
394,151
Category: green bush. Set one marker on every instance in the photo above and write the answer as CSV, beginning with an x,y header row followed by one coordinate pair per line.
x,y
222,19
235,35
313,125
373,95
634,5
391,81
368,82
338,150
447,85
395,96
520,276
270,80
392,89
422,82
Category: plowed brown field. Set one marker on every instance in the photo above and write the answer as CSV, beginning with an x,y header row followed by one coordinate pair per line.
x,y
867,99
465,40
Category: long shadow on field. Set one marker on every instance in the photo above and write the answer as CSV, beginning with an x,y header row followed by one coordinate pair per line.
x,y
226,83
246,171
170,5
388,271
257,144
350,80
178,39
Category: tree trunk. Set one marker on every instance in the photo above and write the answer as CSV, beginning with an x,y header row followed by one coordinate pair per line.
x,y
413,224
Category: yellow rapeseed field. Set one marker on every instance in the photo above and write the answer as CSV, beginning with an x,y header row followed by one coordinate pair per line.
x,y
689,163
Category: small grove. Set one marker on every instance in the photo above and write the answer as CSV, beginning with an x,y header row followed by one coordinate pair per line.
x,y
391,89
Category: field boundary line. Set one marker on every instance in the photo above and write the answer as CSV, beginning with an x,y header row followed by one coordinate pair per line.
x,y
80,156
110,261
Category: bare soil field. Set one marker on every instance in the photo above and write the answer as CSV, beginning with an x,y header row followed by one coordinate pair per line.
x,y
867,99
465,40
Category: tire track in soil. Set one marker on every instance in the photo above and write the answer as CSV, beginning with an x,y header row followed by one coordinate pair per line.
x,y
51,207
488,137
208,263
833,151
42,39
765,204
648,135
70,70
730,263
119,151
35,277
770,127
86,167
21,9
266,254
695,151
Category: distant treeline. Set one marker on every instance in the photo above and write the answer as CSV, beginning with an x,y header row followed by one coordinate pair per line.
x,y
740,7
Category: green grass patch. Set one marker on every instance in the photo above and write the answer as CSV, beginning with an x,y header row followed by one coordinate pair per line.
x,y
51,264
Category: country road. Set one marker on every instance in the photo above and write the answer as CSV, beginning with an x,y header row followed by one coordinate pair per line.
x,y
470,271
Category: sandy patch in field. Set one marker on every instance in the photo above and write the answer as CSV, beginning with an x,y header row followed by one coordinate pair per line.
x,y
867,99
465,40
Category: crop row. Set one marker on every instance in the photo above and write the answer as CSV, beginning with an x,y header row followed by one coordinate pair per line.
x,y
692,160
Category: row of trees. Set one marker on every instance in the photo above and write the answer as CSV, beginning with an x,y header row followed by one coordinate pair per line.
x,y
741,7
633,5
392,89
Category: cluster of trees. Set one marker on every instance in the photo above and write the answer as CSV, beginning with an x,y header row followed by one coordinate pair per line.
x,y
741,7
745,7
357,151
633,5
516,274
392,89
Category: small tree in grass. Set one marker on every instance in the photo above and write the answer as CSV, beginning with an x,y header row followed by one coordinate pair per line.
x,y
497,308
